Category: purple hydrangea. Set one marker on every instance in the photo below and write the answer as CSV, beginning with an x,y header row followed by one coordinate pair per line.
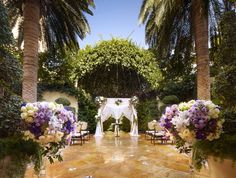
x,y
170,113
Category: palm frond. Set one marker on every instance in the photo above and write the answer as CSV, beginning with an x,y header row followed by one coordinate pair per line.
x,y
62,22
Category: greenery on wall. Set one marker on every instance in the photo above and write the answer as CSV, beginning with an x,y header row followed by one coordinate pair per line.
x,y
10,78
63,101
15,152
5,31
87,108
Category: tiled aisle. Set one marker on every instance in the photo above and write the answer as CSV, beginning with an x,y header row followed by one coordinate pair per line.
x,y
123,157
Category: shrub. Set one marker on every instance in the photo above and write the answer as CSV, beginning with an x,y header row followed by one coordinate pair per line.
x,y
107,124
171,99
147,111
10,115
63,101
162,109
125,124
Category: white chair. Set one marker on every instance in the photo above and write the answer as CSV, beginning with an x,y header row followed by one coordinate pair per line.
x,y
151,128
77,135
84,131
159,134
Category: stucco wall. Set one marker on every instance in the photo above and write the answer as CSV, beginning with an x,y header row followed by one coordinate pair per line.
x,y
51,96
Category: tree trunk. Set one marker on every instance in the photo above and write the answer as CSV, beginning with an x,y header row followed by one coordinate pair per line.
x,y
31,37
200,17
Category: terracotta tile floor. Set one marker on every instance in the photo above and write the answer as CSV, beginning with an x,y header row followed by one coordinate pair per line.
x,y
120,157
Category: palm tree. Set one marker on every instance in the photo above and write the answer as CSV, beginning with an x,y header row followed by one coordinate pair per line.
x,y
58,22
171,22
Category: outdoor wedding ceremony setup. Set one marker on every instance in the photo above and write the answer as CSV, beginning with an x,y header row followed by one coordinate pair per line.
x,y
117,108
117,89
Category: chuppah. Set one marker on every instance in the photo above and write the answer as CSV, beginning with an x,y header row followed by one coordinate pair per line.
x,y
117,108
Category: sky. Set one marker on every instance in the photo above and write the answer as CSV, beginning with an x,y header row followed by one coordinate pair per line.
x,y
115,18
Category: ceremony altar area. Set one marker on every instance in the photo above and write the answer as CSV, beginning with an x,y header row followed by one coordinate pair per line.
x,y
117,108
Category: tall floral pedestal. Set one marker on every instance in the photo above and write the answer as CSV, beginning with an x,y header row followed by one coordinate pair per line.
x,y
221,169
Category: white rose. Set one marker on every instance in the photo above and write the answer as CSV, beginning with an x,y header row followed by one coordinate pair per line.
x,y
24,115
35,108
29,106
217,110
30,112
51,106
49,138
28,135
58,136
29,119
23,109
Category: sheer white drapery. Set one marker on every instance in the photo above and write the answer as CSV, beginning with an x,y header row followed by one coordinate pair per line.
x,y
110,108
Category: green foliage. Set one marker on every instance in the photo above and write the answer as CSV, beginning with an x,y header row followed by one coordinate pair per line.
x,y
107,124
169,24
223,148
55,66
225,60
61,21
63,101
19,152
10,78
162,109
147,111
10,115
125,124
10,71
5,31
114,81
184,87
171,99
118,52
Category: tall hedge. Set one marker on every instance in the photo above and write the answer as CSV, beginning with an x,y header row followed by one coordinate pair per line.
x,y
225,85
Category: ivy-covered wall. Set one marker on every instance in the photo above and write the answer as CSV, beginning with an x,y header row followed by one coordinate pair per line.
x,y
52,96
10,79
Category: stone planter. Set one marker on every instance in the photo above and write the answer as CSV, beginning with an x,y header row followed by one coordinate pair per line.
x,y
221,169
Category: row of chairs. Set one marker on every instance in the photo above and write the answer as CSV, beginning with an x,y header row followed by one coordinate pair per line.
x,y
155,133
81,134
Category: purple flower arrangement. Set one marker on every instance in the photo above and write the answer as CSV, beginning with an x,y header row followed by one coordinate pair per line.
x,y
193,121
47,122
170,113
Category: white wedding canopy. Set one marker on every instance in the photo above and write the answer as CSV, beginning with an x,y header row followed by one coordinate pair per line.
x,y
117,108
